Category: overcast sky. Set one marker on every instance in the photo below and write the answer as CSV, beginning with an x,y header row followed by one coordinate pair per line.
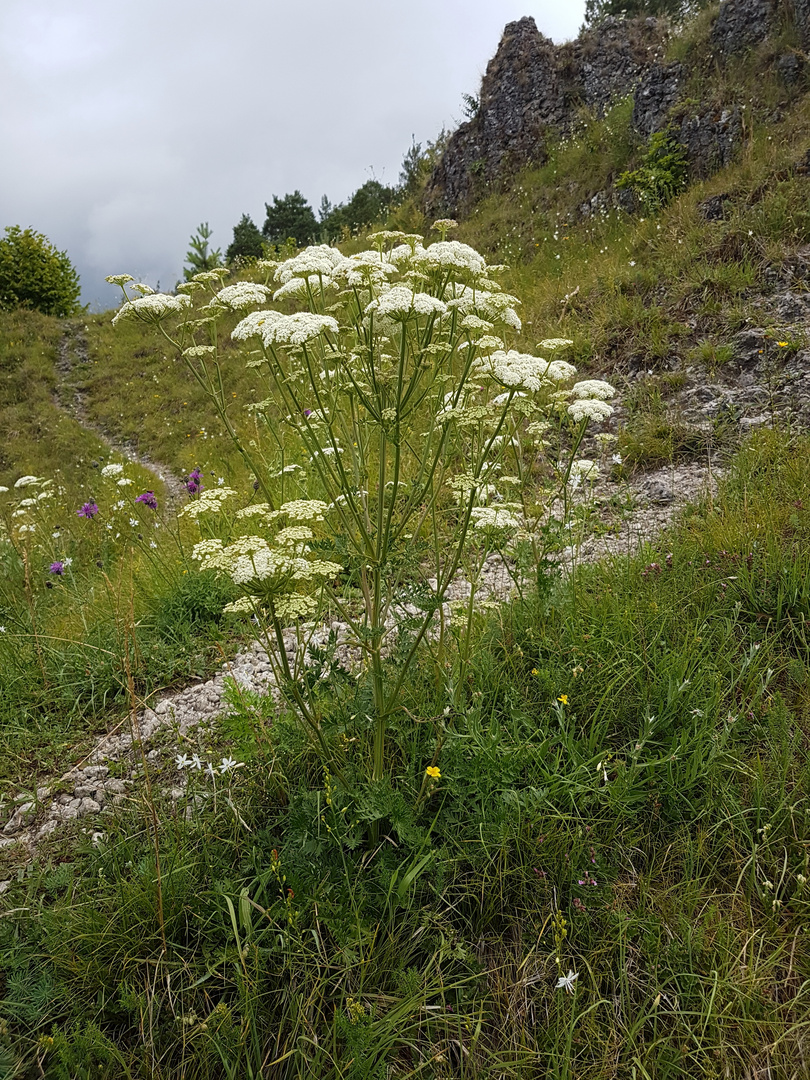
x,y
123,127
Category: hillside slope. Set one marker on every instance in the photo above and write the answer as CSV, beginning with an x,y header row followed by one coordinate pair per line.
x,y
588,853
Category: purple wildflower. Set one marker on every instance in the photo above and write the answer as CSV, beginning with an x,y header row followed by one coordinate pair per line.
x,y
56,568
148,499
88,510
307,413
194,481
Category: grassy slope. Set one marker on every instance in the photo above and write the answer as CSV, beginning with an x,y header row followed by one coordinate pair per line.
x,y
689,688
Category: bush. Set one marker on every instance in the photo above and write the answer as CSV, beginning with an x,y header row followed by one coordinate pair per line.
x,y
662,173
33,274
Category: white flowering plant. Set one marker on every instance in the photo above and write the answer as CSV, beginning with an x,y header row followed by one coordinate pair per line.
x,y
420,426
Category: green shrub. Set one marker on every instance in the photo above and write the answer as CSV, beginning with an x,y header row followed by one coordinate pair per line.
x,y
33,274
662,172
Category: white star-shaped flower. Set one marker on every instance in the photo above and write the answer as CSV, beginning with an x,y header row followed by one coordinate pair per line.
x,y
566,982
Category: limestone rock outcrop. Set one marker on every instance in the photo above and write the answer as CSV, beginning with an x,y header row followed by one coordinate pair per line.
x,y
534,91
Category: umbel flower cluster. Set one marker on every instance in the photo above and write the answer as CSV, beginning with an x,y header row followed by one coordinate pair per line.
x,y
410,431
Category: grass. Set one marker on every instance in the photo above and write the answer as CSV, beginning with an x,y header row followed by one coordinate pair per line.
x,y
36,432
624,794
661,812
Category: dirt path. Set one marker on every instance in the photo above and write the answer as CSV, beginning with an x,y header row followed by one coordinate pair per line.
x,y
72,358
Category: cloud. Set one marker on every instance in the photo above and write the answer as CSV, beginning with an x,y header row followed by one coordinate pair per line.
x,y
129,126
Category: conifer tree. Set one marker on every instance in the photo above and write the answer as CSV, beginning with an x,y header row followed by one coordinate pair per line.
x,y
290,216
247,241
198,256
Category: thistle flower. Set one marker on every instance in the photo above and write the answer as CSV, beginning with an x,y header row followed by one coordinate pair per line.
x,y
57,568
193,481
148,499
87,510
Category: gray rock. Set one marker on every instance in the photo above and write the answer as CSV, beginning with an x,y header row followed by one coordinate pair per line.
x,y
715,208
741,24
20,818
791,68
657,493
655,95
534,90
750,345
711,136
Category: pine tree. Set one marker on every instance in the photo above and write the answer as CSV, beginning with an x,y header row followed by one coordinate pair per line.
x,y
290,217
198,256
247,241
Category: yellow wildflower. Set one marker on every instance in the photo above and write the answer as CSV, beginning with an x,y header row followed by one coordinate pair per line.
x,y
563,698
433,772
